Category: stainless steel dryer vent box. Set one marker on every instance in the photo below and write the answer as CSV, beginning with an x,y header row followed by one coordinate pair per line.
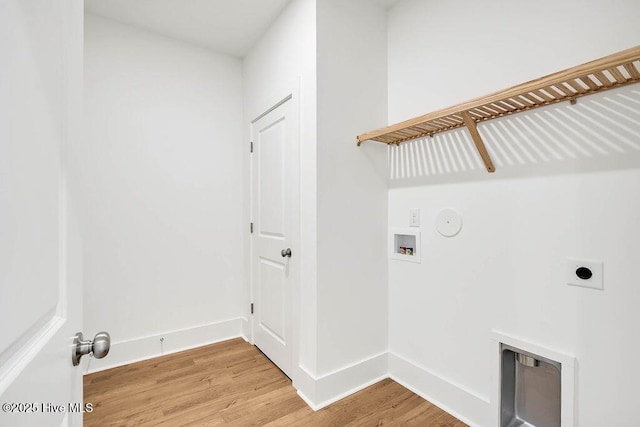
x,y
529,389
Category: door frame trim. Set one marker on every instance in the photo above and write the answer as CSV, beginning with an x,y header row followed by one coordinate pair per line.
x,y
285,99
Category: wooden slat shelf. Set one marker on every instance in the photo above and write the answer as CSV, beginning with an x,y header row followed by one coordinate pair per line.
x,y
606,73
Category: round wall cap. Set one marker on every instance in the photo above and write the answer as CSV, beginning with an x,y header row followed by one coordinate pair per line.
x,y
448,222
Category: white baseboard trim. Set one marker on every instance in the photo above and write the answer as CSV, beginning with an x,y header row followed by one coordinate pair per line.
x,y
246,329
144,348
308,400
305,385
443,393
343,382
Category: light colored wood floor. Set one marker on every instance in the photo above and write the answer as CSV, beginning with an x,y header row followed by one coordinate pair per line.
x,y
233,383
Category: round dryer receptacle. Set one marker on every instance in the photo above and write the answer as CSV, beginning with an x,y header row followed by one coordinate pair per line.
x,y
584,273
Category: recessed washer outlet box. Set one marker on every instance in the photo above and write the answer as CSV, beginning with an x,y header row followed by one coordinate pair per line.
x,y
585,273
405,244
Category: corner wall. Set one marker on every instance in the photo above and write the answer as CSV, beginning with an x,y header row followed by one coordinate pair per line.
x,y
352,197
160,168
566,186
340,70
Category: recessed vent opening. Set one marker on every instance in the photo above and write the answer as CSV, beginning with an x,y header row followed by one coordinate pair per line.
x,y
530,389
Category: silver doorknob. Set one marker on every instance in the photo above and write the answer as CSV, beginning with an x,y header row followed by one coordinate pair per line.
x,y
99,346
286,253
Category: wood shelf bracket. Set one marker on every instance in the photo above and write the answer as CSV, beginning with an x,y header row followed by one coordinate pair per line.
x,y
477,140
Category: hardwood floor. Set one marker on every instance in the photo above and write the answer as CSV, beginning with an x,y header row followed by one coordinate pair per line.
x,y
233,383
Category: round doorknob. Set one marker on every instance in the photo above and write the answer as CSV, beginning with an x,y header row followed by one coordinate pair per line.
x,y
286,253
99,346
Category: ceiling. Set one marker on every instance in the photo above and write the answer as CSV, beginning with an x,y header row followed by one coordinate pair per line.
x,y
387,4
226,26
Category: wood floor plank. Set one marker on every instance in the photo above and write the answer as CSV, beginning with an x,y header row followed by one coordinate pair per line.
x,y
233,384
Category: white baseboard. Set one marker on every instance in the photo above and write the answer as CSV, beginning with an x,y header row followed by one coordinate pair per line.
x,y
143,348
305,384
246,329
343,382
471,408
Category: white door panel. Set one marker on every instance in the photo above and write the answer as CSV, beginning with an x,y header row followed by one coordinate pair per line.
x,y
271,185
275,216
272,301
40,286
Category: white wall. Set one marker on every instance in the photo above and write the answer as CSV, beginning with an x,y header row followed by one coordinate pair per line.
x,y
566,186
491,45
352,188
282,62
162,177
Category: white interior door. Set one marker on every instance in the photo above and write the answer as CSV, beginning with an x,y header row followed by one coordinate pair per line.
x,y
40,294
275,213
